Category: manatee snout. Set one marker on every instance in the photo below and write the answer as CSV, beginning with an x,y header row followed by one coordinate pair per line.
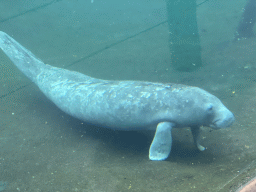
x,y
224,118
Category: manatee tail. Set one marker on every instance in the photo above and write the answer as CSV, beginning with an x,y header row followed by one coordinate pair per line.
x,y
21,57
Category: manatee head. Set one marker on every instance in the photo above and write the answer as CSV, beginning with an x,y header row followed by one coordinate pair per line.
x,y
198,107
222,116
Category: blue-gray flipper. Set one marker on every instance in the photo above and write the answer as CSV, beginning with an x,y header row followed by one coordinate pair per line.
x,y
162,143
196,136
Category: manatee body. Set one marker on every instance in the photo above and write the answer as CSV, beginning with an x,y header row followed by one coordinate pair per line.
x,y
123,105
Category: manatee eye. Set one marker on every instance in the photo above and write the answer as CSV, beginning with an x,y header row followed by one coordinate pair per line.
x,y
210,107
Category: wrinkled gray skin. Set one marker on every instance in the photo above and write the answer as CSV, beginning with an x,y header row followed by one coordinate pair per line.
x,y
123,105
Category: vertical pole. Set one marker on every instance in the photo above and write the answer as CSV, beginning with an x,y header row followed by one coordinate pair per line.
x,y
248,20
184,38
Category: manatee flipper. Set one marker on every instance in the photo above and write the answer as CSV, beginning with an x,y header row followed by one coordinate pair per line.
x,y
162,143
196,136
26,61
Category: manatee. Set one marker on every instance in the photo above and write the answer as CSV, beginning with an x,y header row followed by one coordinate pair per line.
x,y
123,105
